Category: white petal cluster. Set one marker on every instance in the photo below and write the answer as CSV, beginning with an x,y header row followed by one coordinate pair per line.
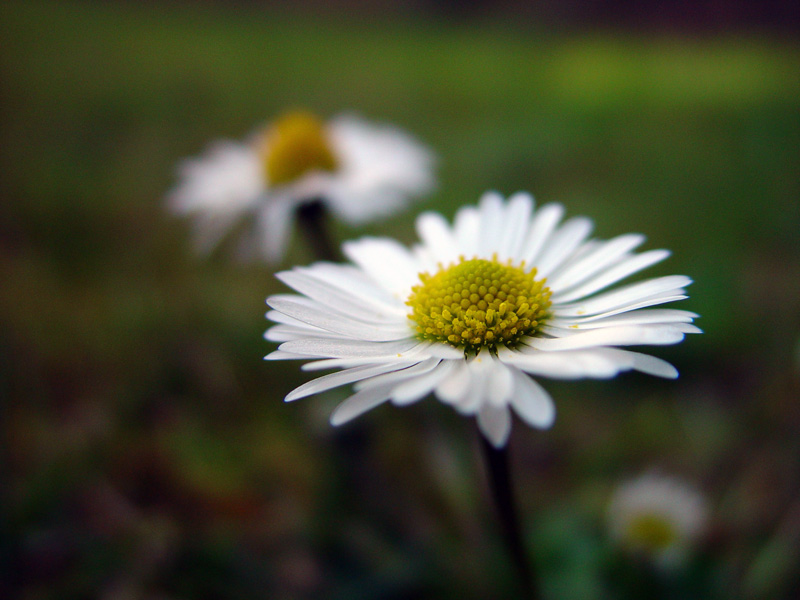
x,y
379,169
668,500
353,317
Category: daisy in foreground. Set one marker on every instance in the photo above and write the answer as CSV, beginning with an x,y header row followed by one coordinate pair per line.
x,y
358,170
657,517
473,310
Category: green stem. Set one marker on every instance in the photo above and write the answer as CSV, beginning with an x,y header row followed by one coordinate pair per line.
x,y
500,484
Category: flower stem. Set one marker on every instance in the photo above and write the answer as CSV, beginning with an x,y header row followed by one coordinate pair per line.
x,y
500,483
312,218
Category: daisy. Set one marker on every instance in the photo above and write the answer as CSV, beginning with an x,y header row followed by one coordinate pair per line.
x,y
657,517
474,309
360,171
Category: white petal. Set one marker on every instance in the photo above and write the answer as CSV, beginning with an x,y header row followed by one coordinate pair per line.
x,y
531,402
435,233
639,317
359,403
318,364
491,217
281,355
630,294
472,398
361,305
419,387
355,206
562,244
332,380
495,424
396,376
274,223
600,257
570,364
353,281
649,301
217,189
227,178
287,324
517,220
380,167
610,336
285,333
475,396
278,335
315,314
455,386
688,328
416,354
620,271
467,228
208,229
445,351
348,348
543,224
386,261
648,364
501,383
278,317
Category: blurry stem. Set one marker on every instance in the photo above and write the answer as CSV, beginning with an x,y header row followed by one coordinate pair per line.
x,y
312,218
500,483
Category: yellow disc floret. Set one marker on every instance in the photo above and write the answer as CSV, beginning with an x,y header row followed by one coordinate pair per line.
x,y
296,144
477,303
650,532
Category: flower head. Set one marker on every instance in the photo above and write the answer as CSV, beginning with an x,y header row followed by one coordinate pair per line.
x,y
476,307
657,517
358,170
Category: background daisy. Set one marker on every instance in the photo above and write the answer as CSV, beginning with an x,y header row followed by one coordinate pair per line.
x,y
467,314
657,517
358,170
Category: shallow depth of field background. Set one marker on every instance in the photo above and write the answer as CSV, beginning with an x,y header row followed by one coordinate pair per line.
x,y
147,452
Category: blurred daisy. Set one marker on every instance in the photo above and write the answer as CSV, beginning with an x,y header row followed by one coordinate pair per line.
x,y
657,517
358,170
475,307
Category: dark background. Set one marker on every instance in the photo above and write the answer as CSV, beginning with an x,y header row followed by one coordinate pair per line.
x,y
146,449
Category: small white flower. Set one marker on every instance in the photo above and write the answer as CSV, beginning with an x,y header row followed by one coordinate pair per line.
x,y
468,313
657,517
360,171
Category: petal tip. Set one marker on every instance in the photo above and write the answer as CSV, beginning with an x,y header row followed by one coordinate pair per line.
x,y
336,419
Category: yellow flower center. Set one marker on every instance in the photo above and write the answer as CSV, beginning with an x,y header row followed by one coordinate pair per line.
x,y
650,532
296,144
477,303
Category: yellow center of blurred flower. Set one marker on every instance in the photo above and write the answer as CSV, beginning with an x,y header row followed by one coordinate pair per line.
x,y
296,144
650,532
477,303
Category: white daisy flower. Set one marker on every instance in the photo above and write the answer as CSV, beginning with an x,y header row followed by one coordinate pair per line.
x,y
657,517
360,171
476,307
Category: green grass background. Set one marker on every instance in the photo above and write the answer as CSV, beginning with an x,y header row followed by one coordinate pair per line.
x,y
149,452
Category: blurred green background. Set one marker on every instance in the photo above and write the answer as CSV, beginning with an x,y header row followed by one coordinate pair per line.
x,y
146,449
